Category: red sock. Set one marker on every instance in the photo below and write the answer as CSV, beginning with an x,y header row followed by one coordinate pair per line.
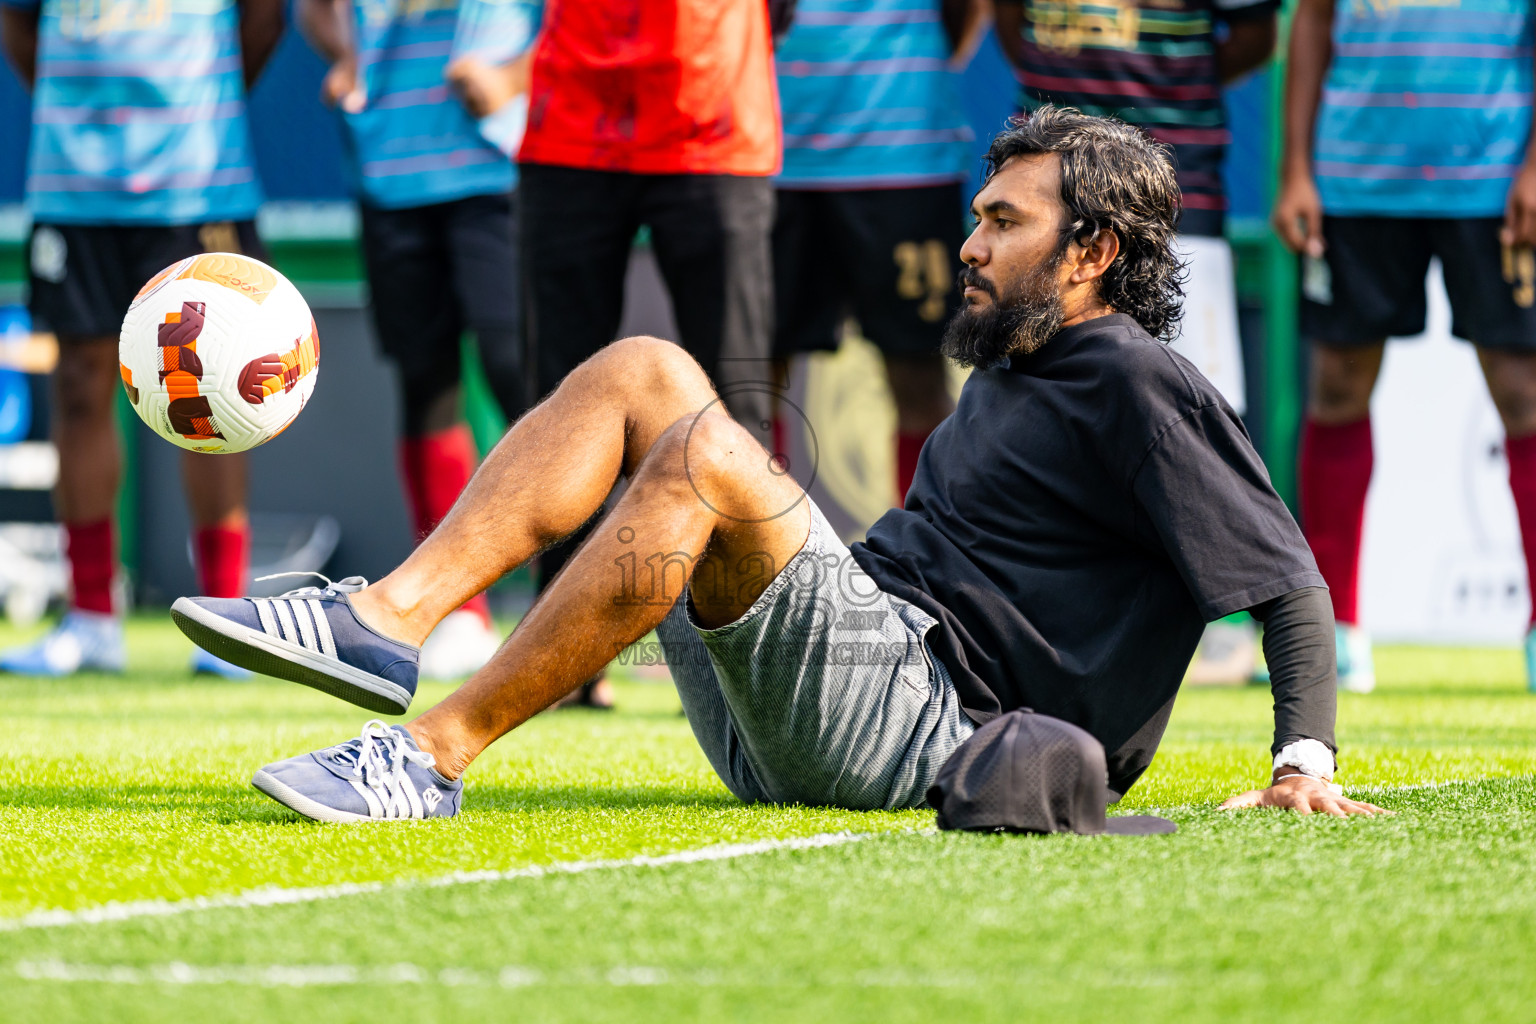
x,y
780,438
1334,468
908,447
92,564
223,559
1522,484
435,468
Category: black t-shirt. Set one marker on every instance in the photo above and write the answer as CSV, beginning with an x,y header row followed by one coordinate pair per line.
x,y
1075,523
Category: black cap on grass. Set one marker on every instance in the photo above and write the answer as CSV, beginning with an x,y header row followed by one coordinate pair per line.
x,y
1023,772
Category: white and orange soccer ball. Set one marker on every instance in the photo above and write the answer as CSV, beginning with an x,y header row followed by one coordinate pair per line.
x,y
219,353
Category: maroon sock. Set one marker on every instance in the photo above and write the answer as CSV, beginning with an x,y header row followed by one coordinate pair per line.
x,y
1334,468
92,563
435,468
223,559
1522,484
908,447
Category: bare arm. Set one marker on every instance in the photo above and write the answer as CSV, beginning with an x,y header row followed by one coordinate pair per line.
x,y
1519,229
261,26
964,23
1298,213
1009,15
1249,44
20,39
327,26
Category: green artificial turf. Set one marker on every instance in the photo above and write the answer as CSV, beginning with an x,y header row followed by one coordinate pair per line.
x,y
135,788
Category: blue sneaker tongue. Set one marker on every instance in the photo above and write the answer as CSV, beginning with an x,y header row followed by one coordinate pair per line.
x,y
343,758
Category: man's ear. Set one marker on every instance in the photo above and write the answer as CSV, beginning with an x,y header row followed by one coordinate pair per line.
x,y
1095,256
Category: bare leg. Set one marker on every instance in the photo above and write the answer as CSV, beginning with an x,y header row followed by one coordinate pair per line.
x,y
216,489
1342,379
1511,380
920,388
546,477
85,429
707,501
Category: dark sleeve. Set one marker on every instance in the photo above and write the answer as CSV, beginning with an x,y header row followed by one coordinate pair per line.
x,y
1299,651
1203,496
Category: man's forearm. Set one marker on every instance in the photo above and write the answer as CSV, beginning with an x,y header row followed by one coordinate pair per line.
x,y
1249,44
1300,651
964,21
19,29
261,26
1008,18
326,25
1307,59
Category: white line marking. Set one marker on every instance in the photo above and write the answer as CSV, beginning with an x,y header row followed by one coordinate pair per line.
x,y
178,972
272,897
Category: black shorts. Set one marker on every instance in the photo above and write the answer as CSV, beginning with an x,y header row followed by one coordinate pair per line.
x,y
437,271
1370,283
84,276
889,257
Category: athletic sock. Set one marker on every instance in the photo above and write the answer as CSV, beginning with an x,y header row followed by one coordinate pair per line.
x,y
1522,484
1334,470
223,559
92,564
435,468
908,447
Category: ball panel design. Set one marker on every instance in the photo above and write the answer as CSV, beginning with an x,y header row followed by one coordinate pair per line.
x,y
219,353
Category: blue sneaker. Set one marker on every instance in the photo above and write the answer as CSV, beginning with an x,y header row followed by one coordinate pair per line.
x,y
310,636
81,642
205,664
380,776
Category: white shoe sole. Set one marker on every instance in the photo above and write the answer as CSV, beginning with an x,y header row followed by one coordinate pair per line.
x,y
296,801
271,656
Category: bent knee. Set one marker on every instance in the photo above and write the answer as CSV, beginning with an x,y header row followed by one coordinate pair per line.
x,y
703,445
649,369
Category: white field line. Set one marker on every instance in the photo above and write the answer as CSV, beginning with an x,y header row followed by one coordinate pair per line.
x,y
179,973
272,897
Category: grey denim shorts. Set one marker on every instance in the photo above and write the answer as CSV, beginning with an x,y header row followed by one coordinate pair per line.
x,y
823,693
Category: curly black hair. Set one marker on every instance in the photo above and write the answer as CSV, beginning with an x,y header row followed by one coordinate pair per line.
x,y
1113,177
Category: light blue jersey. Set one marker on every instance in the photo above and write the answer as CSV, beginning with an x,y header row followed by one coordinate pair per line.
x,y
1426,109
868,97
138,116
414,142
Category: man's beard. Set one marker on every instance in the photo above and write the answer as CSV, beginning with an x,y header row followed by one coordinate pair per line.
x,y
1017,324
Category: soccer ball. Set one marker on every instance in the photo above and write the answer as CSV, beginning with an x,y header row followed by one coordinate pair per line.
x,y
219,353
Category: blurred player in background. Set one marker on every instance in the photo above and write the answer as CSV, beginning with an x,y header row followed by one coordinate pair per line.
x,y
433,97
140,156
870,213
662,114
1161,65
1407,137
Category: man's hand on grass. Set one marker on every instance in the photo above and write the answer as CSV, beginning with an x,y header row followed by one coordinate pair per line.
x,y
1302,794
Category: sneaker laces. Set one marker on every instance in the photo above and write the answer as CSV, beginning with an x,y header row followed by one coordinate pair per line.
x,y
379,756
350,585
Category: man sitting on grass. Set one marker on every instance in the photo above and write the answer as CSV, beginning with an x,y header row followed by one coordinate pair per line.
x,y
1091,503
